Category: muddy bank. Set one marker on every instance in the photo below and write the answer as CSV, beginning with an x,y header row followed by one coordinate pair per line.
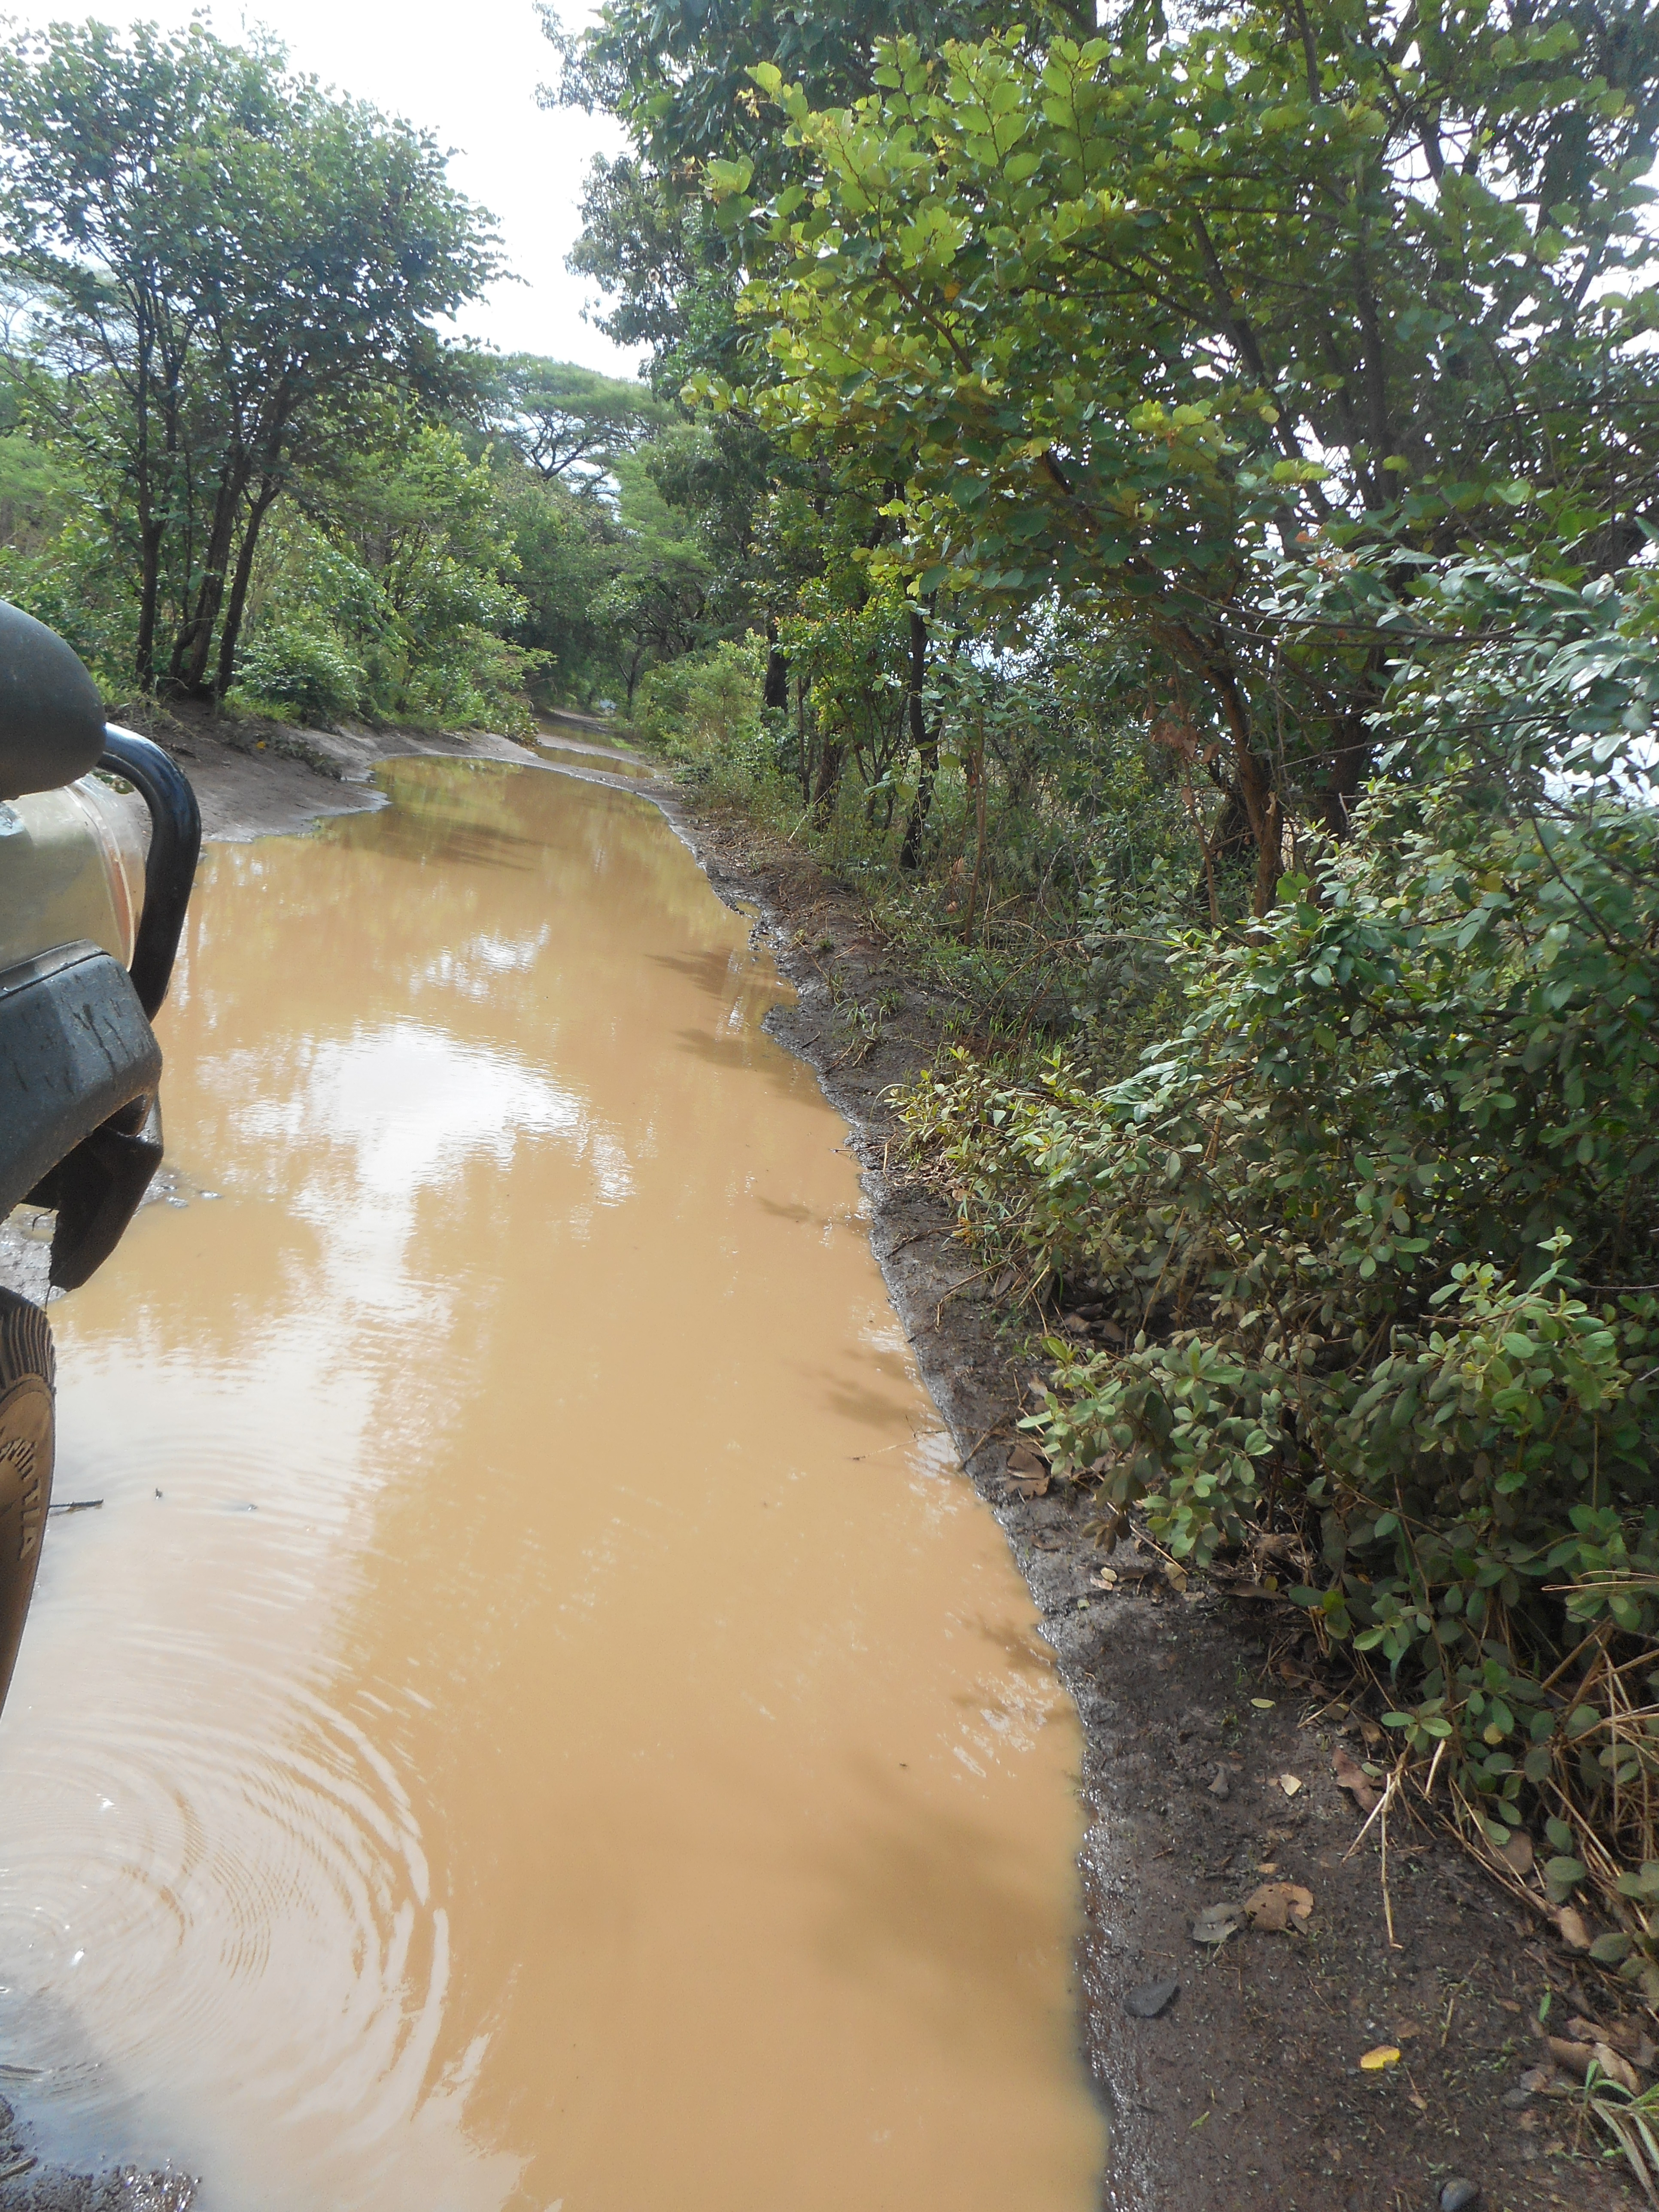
x,y
259,779
1246,2091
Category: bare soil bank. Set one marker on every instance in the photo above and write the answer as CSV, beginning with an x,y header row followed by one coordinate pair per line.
x,y
1245,2093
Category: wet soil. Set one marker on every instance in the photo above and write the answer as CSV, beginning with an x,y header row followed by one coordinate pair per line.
x,y
1246,2093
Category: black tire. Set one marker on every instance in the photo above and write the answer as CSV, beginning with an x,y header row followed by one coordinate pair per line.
x,y
27,1431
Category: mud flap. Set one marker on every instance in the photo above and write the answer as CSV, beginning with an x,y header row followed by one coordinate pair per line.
x,y
95,1191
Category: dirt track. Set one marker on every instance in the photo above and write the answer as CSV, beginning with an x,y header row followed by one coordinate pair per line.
x,y
1246,2093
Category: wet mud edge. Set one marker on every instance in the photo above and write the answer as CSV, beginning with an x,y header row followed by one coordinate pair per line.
x,y
1245,2093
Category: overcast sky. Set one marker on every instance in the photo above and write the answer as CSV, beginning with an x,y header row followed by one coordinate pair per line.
x,y
468,74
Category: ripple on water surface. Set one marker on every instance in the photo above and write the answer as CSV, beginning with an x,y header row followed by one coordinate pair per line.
x,y
536,1720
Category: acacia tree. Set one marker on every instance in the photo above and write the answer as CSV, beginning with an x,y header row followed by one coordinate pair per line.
x,y
223,258
1129,320
563,421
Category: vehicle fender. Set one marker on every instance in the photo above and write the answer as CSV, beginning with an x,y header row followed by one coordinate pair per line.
x,y
74,1050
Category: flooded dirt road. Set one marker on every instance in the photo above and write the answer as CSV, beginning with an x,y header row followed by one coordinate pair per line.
x,y
538,1720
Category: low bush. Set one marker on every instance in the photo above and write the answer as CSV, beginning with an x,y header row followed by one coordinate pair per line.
x,y
311,674
704,711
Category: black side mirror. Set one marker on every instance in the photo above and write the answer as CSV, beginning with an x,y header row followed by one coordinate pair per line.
x,y
52,719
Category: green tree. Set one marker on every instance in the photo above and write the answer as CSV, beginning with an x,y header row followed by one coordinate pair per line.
x,y
224,256
563,421
1126,319
657,601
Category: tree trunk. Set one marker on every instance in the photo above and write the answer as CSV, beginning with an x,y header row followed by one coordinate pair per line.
x,y
976,784
190,657
829,765
1252,774
149,583
803,748
926,742
232,629
777,694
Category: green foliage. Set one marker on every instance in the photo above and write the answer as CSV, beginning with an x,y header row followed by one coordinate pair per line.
x,y
562,421
227,271
1378,1224
702,711
387,589
655,602
1114,319
307,673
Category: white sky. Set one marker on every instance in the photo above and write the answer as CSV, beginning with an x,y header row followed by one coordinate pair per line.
x,y
469,75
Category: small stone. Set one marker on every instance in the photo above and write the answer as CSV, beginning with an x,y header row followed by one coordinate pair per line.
x,y
1152,1999
1459,2196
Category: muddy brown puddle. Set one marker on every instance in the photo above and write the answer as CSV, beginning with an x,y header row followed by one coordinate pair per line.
x,y
538,1720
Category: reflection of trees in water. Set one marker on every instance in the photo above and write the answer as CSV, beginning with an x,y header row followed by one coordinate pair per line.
x,y
463,812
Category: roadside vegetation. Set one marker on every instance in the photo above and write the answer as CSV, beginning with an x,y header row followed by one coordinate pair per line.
x,y
1163,508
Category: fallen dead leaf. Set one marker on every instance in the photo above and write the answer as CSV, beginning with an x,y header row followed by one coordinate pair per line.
x,y
1570,1921
1617,2067
1216,1923
1289,1783
1028,1471
1276,1904
1622,2036
1517,1854
1350,1775
1577,2057
1385,2054
1262,1704
1371,1733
